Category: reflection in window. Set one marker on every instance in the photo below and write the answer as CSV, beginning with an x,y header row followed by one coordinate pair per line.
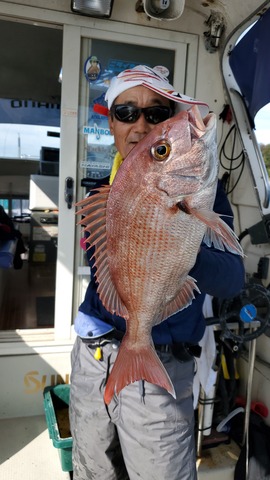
x,y
16,207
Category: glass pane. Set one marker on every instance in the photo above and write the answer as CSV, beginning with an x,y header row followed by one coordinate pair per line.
x,y
25,141
31,58
95,144
96,150
4,204
20,207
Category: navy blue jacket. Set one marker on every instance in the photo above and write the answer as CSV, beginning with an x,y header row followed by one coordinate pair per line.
x,y
218,273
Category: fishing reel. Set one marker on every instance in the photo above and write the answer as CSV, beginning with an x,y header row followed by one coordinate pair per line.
x,y
245,317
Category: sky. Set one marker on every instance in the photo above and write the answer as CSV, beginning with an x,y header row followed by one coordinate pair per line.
x,y
262,123
25,141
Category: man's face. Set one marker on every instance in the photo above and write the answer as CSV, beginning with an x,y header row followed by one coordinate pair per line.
x,y
127,135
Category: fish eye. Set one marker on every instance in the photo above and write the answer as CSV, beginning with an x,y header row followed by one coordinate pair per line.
x,y
161,151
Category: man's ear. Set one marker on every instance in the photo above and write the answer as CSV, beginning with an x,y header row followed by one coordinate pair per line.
x,y
110,120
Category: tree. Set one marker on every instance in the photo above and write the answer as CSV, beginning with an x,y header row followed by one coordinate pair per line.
x,y
265,149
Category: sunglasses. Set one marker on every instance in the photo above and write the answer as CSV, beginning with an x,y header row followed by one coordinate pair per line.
x,y
130,113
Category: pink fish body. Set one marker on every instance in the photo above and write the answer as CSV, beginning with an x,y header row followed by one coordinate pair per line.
x,y
147,229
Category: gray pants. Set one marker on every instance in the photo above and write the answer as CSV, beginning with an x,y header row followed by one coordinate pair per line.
x,y
143,434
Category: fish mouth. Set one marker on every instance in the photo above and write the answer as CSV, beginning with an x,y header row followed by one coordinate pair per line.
x,y
194,129
199,126
192,164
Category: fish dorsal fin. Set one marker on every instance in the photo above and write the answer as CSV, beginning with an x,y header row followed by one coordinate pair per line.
x,y
94,221
182,300
218,233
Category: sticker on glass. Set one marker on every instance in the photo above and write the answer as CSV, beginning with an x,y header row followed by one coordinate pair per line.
x,y
92,69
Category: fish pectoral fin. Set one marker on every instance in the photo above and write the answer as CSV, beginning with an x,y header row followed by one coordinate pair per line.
x,y
94,213
218,233
132,365
107,291
182,300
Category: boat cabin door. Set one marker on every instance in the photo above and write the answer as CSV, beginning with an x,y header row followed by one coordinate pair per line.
x,y
57,146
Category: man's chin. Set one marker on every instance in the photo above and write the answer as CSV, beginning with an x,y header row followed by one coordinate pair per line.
x,y
130,147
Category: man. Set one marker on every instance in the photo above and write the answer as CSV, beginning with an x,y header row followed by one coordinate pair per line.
x,y
144,432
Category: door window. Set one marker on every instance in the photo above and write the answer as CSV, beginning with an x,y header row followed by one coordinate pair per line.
x,y
30,98
96,149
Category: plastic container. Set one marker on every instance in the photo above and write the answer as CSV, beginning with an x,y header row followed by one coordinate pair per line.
x,y
56,404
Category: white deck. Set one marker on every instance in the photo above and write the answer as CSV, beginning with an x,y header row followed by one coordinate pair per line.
x,y
218,462
27,452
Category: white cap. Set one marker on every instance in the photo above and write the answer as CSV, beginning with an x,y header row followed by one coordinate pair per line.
x,y
155,79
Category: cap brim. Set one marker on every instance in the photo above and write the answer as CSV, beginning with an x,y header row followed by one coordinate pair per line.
x,y
183,102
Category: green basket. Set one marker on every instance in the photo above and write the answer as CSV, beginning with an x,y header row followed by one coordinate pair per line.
x,y
56,403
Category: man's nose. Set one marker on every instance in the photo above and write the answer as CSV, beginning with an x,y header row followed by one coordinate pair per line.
x,y
142,126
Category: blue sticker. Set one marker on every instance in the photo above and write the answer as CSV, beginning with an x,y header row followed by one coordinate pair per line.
x,y
248,313
92,69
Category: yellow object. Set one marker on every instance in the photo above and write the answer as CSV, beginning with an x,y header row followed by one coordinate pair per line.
x,y
225,369
118,160
98,354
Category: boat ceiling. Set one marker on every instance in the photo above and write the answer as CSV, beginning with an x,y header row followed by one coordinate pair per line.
x,y
31,55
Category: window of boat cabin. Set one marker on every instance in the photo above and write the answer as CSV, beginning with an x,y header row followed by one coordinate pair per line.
x,y
31,59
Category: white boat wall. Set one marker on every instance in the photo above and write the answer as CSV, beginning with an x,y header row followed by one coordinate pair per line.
x,y
54,146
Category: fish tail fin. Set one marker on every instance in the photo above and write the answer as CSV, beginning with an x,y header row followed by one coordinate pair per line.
x,y
132,365
218,233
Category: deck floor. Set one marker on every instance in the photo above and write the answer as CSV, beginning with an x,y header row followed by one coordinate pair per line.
x,y
27,452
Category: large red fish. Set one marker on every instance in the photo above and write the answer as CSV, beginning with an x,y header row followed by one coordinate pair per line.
x,y
147,229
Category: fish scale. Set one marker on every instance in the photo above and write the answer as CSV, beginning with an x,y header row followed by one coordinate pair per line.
x,y
146,261
160,241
